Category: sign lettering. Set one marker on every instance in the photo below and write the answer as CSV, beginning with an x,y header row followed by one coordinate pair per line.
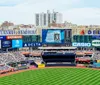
x,y
18,32
81,44
32,44
14,37
96,43
93,32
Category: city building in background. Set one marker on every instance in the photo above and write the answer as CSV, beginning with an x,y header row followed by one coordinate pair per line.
x,y
49,30
5,25
45,19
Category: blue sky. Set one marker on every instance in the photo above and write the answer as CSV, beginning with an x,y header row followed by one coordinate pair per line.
x,y
82,12
91,3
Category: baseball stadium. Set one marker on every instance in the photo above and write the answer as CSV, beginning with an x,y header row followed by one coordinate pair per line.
x,y
55,56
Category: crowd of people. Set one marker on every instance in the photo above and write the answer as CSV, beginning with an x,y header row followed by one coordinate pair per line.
x,y
11,57
5,69
36,56
96,56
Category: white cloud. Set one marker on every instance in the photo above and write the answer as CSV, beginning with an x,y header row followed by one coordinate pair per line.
x,y
10,2
83,15
43,5
24,11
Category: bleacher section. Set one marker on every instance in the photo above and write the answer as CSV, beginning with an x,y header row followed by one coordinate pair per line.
x,y
5,69
11,57
96,56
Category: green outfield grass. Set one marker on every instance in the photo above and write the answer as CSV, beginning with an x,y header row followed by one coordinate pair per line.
x,y
54,76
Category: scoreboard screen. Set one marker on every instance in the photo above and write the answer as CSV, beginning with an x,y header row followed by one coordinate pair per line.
x,y
31,38
53,36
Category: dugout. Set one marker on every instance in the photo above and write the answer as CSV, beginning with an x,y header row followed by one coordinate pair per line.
x,y
59,56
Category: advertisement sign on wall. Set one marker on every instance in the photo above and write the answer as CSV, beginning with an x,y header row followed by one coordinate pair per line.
x,y
17,43
2,37
32,44
96,37
14,37
6,43
81,44
98,61
96,43
92,32
52,36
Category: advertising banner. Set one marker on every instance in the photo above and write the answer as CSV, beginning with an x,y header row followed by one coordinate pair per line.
x,y
17,43
6,44
41,65
81,44
32,44
2,37
98,61
52,36
96,37
93,32
96,43
14,37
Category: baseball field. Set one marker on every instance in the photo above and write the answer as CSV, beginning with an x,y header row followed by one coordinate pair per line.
x,y
54,76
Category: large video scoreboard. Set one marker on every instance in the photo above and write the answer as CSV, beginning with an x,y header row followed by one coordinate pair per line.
x,y
52,36
57,36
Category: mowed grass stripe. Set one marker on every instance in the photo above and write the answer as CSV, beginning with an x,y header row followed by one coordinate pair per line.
x,y
54,76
